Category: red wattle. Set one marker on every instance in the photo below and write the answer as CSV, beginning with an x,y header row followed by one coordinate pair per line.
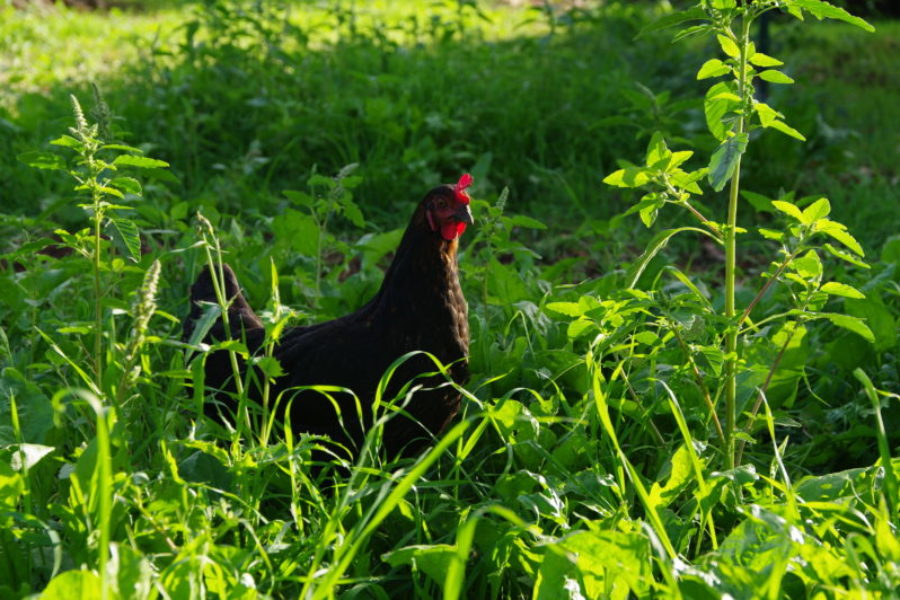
x,y
450,230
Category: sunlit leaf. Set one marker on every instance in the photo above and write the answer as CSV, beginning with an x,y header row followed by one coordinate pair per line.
x,y
725,160
764,60
845,256
815,211
67,141
129,185
713,68
808,266
849,323
717,104
570,309
788,209
824,10
835,288
141,162
128,234
729,47
840,233
773,76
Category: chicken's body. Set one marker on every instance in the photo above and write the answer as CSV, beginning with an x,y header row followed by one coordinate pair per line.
x,y
419,307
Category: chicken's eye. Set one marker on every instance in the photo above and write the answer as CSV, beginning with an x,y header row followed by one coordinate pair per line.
x,y
441,203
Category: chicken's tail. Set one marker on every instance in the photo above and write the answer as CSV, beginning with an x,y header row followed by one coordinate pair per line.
x,y
240,315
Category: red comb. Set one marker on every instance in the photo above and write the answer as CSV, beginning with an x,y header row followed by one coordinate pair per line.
x,y
460,187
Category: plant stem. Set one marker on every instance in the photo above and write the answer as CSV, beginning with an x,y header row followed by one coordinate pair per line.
x,y
98,308
731,335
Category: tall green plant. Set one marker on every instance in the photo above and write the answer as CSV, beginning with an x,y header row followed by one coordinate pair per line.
x,y
96,168
733,112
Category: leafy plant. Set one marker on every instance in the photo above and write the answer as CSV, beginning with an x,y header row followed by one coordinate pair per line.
x,y
331,196
732,114
95,171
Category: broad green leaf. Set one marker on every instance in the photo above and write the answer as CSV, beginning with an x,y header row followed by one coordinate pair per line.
x,y
728,45
767,115
353,213
141,162
42,160
787,130
67,141
578,566
73,585
648,201
845,256
839,232
648,215
570,309
713,68
725,160
128,234
727,96
788,209
834,288
129,185
657,151
679,475
771,234
717,104
578,327
680,157
773,76
629,177
764,60
723,4
849,323
824,10
815,211
646,337
109,191
808,266
688,181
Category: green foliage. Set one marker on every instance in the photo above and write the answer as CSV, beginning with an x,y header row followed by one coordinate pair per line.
x,y
590,458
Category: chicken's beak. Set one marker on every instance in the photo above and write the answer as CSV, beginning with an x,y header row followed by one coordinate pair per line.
x,y
463,214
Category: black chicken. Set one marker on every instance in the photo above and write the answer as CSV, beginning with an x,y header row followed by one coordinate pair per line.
x,y
419,306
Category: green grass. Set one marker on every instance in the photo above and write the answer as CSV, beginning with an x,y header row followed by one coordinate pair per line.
x,y
586,461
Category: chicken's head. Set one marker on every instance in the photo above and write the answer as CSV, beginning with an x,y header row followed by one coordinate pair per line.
x,y
447,208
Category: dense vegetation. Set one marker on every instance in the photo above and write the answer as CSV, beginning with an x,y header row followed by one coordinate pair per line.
x,y
641,422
